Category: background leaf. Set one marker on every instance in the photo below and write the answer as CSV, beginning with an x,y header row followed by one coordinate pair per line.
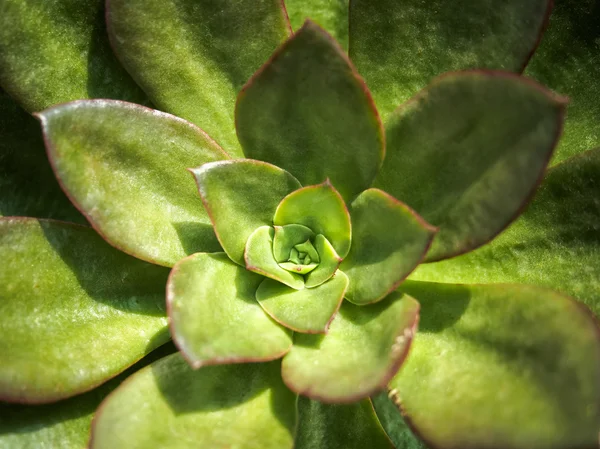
x,y
73,308
193,56
331,15
54,51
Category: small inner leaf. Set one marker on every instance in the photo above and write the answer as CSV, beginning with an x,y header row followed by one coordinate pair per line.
x,y
329,262
308,250
286,237
298,268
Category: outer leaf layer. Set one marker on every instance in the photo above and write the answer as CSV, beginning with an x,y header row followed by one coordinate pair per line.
x,y
309,310
168,405
389,240
400,49
481,141
394,424
192,57
72,308
352,426
521,363
54,51
314,126
320,208
22,158
124,167
363,349
240,196
330,14
555,243
214,316
568,61
64,424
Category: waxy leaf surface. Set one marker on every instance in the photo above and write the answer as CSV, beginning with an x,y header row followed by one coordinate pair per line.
x,y
336,426
215,318
555,243
73,308
64,424
23,159
240,196
192,57
124,166
169,405
328,264
389,240
523,361
314,126
54,51
362,350
451,161
332,15
309,310
259,259
321,209
568,61
400,48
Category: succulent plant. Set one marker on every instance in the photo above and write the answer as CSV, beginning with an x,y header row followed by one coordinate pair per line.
x,y
340,268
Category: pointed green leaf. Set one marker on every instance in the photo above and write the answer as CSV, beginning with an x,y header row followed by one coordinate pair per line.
x,y
54,51
259,259
73,308
23,158
214,315
555,243
65,424
520,363
321,209
335,426
124,167
309,310
168,405
328,264
451,160
389,241
329,14
399,49
362,350
394,424
240,196
314,126
568,61
286,237
193,56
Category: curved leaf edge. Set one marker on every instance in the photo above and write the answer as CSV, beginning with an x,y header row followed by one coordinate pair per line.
x,y
559,101
406,336
196,364
360,82
50,151
56,398
540,35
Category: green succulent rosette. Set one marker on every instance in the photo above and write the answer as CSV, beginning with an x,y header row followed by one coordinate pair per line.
x,y
332,269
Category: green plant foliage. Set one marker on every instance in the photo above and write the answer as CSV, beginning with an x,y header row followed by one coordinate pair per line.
x,y
331,15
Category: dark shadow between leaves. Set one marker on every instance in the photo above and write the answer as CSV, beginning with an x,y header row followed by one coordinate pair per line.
x,y
197,237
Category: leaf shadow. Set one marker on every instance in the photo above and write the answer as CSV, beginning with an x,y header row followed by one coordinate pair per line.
x,y
197,237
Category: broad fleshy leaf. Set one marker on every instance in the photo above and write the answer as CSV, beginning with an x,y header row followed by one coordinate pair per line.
x,y
73,308
314,126
124,166
335,426
169,405
400,48
321,209
22,159
362,350
214,315
240,196
54,51
332,15
389,240
259,259
568,61
555,243
328,264
450,160
522,363
394,424
65,424
309,310
193,56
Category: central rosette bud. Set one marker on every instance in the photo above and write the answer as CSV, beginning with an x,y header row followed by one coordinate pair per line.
x,y
296,248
